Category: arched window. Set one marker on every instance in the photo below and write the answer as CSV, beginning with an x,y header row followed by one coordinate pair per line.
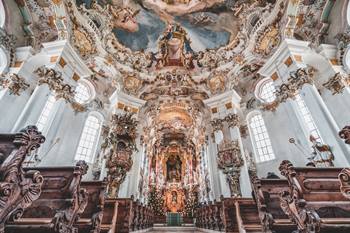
x,y
2,14
89,139
46,113
348,14
83,93
3,61
262,143
307,118
265,90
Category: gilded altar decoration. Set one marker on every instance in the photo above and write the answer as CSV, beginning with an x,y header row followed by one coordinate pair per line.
x,y
337,83
345,134
14,83
118,146
174,198
230,161
54,80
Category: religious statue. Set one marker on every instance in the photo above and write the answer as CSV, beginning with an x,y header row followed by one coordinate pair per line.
x,y
174,169
322,154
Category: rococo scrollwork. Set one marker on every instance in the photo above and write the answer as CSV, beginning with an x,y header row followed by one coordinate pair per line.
x,y
19,188
118,146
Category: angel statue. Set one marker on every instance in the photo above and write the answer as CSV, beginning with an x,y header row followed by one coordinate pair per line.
x,y
322,154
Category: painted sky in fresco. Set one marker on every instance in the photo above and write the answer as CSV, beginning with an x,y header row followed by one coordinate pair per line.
x,y
151,28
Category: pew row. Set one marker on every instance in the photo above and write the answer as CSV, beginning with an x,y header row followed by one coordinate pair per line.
x,y
314,201
61,202
229,215
19,188
267,197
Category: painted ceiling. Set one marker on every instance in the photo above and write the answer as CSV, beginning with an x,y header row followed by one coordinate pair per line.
x,y
174,54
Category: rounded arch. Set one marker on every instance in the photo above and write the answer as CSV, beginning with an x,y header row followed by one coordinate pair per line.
x,y
85,91
265,90
97,114
2,14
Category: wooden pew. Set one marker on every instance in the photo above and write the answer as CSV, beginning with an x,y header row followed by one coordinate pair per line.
x,y
125,208
219,225
19,188
240,215
314,200
229,215
267,196
110,216
90,220
61,202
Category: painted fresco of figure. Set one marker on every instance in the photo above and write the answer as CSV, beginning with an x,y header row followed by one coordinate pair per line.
x,y
174,169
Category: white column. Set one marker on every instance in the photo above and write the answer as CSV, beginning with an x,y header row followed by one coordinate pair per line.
x,y
33,108
244,179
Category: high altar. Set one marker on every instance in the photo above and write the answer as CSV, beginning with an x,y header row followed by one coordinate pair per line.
x,y
174,175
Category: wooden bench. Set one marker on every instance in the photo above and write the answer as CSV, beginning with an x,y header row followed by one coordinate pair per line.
x,y
240,215
314,200
267,195
110,216
19,188
61,202
90,220
247,217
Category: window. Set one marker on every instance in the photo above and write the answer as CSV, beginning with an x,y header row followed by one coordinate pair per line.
x,y
265,91
89,138
46,112
263,146
2,14
307,118
82,94
3,61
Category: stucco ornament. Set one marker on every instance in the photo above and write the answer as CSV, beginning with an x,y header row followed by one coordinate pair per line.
x,y
15,83
337,83
118,147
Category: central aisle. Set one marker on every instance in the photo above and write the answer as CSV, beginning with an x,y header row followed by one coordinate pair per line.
x,y
174,229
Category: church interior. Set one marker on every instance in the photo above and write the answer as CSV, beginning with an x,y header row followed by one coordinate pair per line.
x,y
190,116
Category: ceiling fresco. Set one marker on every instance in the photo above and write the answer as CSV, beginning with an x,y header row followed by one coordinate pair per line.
x,y
174,54
207,29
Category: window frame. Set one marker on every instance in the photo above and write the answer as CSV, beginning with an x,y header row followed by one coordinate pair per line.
x,y
90,158
258,147
261,86
302,121
50,116
90,89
